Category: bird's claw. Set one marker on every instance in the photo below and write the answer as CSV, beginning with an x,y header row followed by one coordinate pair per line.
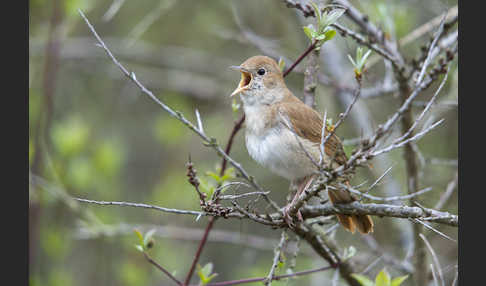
x,y
288,219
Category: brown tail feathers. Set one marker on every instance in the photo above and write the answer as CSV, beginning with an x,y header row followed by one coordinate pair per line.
x,y
363,223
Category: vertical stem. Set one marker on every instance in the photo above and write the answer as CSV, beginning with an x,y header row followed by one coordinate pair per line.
x,y
310,78
420,255
44,120
199,250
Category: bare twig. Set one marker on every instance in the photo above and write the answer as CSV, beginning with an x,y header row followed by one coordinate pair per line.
x,y
138,205
433,229
448,192
276,259
279,277
435,259
387,199
438,33
300,58
355,208
158,266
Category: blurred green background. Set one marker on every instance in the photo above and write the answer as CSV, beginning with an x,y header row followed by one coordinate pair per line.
x,y
93,134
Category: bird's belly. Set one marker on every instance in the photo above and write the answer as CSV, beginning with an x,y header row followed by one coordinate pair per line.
x,y
279,150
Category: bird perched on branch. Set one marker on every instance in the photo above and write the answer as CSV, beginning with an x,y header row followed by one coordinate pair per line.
x,y
284,135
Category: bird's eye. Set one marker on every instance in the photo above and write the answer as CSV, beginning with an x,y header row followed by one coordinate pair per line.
x,y
261,71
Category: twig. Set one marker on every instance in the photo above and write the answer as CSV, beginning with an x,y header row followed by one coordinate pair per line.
x,y
377,180
438,33
138,205
408,140
276,259
279,277
356,208
434,257
427,107
448,192
450,15
200,247
301,57
434,230
387,199
234,197
153,262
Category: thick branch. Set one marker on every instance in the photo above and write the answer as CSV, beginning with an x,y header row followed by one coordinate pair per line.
x,y
383,210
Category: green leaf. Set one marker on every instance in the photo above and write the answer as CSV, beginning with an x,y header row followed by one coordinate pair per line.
x,y
398,280
213,175
363,280
382,279
139,235
309,31
204,273
330,34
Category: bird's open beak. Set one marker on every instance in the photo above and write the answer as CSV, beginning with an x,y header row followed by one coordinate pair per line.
x,y
245,79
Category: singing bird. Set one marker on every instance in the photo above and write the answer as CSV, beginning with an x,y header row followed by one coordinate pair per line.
x,y
276,121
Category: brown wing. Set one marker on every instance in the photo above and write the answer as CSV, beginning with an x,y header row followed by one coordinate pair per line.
x,y
307,123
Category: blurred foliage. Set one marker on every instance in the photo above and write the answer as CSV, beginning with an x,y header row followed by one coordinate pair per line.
x,y
381,279
97,136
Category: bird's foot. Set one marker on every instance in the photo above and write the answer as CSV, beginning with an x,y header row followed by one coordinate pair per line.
x,y
288,219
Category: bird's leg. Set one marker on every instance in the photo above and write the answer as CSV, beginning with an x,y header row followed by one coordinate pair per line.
x,y
306,182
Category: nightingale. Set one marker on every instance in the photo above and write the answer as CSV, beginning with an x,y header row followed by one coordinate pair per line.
x,y
283,134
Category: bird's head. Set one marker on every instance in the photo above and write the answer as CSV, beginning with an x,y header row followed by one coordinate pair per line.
x,y
261,79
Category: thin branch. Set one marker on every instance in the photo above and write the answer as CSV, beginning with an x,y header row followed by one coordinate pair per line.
x,y
356,208
301,57
408,140
387,199
451,15
438,33
427,107
234,197
276,260
200,247
377,181
435,259
154,263
279,277
145,206
451,186
433,229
